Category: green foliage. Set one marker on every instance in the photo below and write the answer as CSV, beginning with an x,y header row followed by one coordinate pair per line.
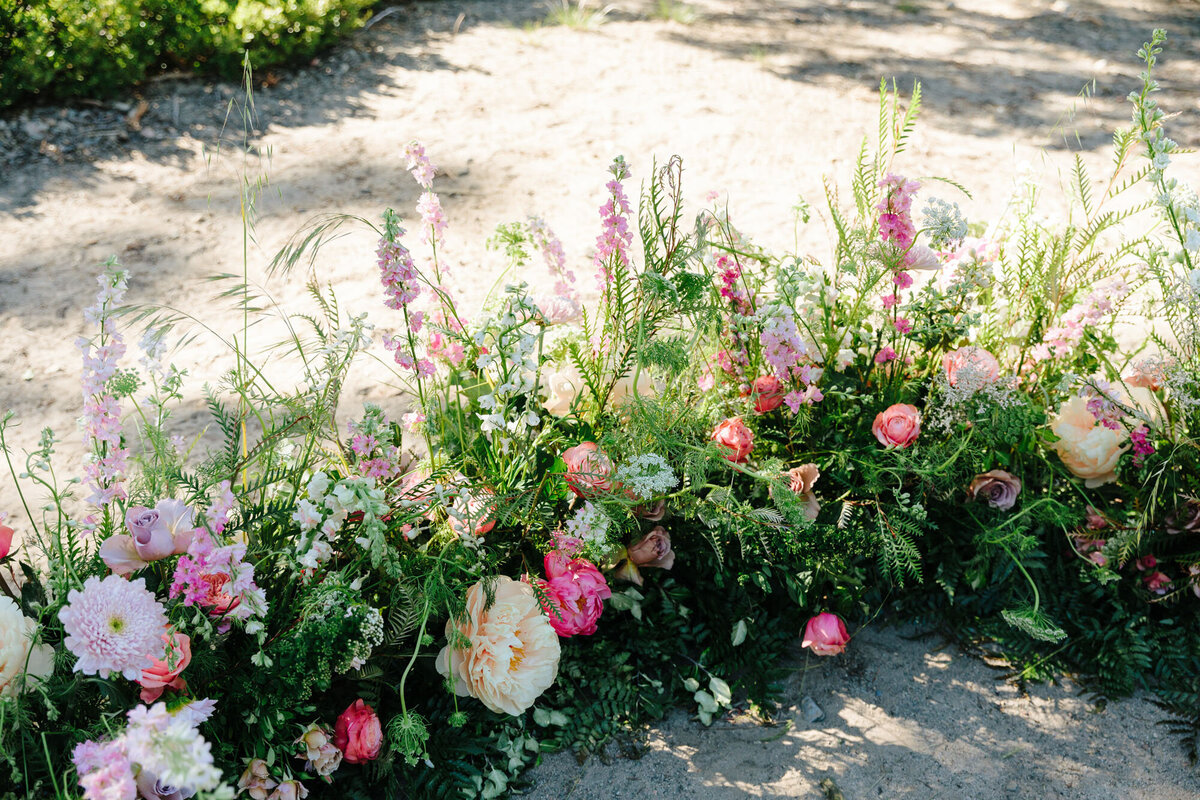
x,y
96,48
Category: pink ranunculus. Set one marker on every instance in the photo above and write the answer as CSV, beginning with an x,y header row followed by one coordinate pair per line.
x,y
976,364
898,425
589,470
358,733
576,592
733,435
6,537
768,393
166,670
825,634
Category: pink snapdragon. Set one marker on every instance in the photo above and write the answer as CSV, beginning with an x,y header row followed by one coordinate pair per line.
x,y
1060,340
222,507
615,239
397,272
730,274
419,165
106,462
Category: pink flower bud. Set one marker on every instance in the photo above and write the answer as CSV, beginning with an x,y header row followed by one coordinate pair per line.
x,y
825,634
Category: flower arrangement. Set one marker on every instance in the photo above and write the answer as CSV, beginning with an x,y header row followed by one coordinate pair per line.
x,y
592,512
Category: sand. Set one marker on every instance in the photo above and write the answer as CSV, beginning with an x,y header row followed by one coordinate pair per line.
x,y
763,100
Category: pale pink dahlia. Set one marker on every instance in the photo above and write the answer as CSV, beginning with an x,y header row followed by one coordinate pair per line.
x,y
114,625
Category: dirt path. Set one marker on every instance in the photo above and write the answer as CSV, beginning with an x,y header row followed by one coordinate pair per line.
x,y
762,98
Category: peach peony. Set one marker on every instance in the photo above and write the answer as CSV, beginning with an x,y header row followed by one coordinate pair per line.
x,y
897,426
977,365
510,652
1086,447
733,435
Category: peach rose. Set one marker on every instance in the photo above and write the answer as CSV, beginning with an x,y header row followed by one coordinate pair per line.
x,y
733,435
510,653
18,654
165,672
768,393
897,426
358,733
589,470
1086,447
977,364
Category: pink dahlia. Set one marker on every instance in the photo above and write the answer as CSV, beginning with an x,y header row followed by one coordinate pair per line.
x,y
114,625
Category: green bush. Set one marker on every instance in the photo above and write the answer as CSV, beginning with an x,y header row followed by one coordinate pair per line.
x,y
94,48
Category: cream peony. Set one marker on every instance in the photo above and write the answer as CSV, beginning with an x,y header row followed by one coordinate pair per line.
x,y
623,389
1089,449
562,387
18,653
511,653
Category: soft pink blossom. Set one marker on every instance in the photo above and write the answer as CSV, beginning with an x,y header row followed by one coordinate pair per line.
x,y
767,392
589,470
898,425
825,634
165,671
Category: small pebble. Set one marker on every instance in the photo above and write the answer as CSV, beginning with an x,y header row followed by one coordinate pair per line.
x,y
812,711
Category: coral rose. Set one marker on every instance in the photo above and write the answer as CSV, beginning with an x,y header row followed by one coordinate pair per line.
x,y
977,366
165,671
589,470
897,426
510,653
576,592
768,393
358,733
733,435
1086,447
997,487
652,550
825,634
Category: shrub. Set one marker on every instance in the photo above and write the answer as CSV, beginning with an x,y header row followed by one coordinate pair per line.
x,y
95,48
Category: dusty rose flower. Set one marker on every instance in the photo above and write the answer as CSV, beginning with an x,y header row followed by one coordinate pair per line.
x,y
1095,520
256,780
825,634
1091,549
154,534
289,790
1185,519
768,393
733,435
652,550
801,480
1157,582
1194,578
976,362
589,470
651,512
510,653
358,733
898,425
997,487
6,537
165,671
321,755
1086,447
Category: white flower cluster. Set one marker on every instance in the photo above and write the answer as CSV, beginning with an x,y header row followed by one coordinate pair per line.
x,y
647,476
945,224
170,747
511,364
324,512
590,525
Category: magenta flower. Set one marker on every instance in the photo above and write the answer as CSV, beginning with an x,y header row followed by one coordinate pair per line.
x,y
575,592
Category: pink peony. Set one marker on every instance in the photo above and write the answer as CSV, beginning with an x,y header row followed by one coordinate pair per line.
x,y
733,435
825,634
768,393
976,365
358,733
575,591
165,671
898,425
589,470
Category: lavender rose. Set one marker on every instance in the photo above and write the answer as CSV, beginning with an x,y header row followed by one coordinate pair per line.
x,y
1185,519
997,487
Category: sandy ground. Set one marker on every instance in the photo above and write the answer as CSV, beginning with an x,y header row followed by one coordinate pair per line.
x,y
761,98
905,717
